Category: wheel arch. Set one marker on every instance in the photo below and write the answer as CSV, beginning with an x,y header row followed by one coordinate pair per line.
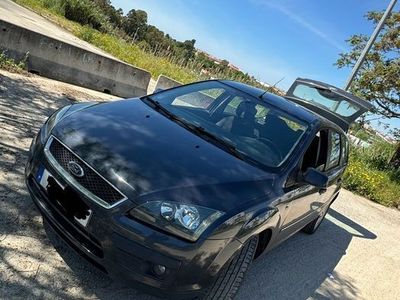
x,y
264,237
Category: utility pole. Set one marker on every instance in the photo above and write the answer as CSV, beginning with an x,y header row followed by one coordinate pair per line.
x,y
369,44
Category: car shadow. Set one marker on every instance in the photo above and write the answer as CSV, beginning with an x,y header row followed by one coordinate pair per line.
x,y
297,269
303,266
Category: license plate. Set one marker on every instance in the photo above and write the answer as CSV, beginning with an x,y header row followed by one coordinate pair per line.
x,y
60,192
42,177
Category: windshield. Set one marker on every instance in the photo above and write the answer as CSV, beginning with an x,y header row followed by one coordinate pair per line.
x,y
254,129
326,98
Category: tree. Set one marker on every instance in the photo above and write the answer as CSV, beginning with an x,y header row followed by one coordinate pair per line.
x,y
155,37
204,61
114,15
378,79
135,24
188,50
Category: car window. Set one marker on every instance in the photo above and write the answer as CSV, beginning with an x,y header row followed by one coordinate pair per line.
x,y
317,152
230,108
334,153
345,147
261,114
258,132
199,99
325,98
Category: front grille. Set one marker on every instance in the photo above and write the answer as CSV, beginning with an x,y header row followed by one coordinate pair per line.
x,y
91,181
64,227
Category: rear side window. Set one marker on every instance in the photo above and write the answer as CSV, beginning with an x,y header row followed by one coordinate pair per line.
x,y
199,99
334,146
233,104
231,107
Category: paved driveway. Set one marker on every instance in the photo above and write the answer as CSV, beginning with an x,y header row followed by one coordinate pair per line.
x,y
354,255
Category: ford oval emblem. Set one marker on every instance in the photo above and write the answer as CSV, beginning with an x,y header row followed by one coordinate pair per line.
x,y
75,169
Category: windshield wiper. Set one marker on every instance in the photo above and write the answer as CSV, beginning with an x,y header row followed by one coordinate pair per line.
x,y
157,106
221,142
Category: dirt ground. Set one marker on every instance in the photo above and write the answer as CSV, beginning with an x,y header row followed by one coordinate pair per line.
x,y
354,255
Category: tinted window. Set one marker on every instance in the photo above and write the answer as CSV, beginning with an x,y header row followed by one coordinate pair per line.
x,y
259,132
334,153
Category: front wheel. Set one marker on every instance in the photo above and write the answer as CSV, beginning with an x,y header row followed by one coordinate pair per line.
x,y
231,276
312,227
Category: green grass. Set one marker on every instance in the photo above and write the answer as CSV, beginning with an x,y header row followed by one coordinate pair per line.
x,y
364,177
9,64
116,46
133,54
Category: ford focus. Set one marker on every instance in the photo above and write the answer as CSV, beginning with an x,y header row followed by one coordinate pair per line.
x,y
177,192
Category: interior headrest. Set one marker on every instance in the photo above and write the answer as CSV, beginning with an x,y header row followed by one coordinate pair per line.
x,y
246,109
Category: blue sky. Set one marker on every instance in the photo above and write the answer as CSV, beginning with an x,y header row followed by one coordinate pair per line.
x,y
269,39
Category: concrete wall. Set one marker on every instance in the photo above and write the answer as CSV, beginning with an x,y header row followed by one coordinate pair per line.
x,y
54,59
164,82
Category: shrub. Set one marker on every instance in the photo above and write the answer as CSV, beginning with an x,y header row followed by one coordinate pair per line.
x,y
377,155
87,34
85,13
374,184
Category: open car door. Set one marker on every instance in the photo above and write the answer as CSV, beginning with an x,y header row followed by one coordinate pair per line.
x,y
328,101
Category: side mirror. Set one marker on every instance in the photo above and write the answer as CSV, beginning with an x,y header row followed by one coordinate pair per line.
x,y
316,178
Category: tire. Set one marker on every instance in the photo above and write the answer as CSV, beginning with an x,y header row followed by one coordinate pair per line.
x,y
231,276
312,227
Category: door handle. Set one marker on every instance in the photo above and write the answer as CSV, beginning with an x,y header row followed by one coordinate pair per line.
x,y
322,191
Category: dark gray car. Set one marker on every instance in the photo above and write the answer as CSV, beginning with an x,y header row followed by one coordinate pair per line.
x,y
177,192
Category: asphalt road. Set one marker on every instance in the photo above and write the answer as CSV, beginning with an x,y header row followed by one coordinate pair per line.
x,y
354,255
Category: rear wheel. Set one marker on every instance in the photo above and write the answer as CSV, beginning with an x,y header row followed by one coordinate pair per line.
x,y
231,276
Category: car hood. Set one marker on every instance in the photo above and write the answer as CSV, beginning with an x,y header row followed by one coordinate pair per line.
x,y
148,156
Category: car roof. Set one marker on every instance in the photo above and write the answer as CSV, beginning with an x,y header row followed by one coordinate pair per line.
x,y
284,104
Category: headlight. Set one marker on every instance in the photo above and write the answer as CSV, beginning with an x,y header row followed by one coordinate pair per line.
x,y
51,122
184,220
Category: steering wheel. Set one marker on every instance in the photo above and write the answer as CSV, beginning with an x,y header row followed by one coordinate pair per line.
x,y
272,146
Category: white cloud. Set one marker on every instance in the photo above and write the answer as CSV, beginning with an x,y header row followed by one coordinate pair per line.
x,y
301,21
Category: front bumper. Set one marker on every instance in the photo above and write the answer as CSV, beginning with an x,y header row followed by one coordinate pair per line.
x,y
127,250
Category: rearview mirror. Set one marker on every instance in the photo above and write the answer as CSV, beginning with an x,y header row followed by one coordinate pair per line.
x,y
316,178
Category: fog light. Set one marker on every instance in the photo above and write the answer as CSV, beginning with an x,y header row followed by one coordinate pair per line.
x,y
159,270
